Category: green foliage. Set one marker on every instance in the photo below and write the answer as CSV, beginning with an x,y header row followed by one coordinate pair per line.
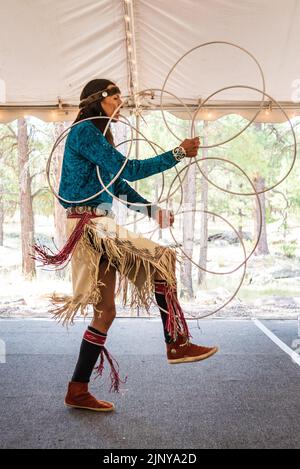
x,y
40,141
289,249
263,150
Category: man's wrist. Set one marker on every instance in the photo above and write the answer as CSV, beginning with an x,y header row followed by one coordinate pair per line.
x,y
179,153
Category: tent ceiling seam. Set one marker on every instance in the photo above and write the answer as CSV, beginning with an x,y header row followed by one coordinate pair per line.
x,y
131,50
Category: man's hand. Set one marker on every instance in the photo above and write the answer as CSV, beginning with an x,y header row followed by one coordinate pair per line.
x,y
164,217
191,146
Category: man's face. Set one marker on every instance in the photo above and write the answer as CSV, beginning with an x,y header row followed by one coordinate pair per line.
x,y
110,104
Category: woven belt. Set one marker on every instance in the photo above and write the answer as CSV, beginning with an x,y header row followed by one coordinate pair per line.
x,y
96,211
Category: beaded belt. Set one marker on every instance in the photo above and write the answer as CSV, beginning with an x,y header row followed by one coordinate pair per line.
x,y
95,211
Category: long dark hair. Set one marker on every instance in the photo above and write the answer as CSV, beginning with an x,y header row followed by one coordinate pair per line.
x,y
95,108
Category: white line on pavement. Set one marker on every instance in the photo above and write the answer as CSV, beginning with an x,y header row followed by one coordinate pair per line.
x,y
294,356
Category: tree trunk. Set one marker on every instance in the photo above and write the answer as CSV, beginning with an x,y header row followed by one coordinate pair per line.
x,y
156,198
189,203
120,209
60,235
26,211
203,215
1,214
137,147
262,247
59,211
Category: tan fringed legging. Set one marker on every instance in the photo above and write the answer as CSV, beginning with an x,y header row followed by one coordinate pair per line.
x,y
136,259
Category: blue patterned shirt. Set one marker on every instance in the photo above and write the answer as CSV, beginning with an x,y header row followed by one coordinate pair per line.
x,y
87,147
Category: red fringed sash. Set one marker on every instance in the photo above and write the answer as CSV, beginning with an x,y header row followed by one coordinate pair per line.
x,y
44,254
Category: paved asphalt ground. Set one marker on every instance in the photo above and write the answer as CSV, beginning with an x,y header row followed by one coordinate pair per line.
x,y
246,396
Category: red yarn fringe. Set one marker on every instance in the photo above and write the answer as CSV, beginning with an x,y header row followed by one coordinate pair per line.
x,y
176,323
44,254
114,373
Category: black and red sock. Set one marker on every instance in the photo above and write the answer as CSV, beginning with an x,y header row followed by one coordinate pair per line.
x,y
162,304
173,320
91,345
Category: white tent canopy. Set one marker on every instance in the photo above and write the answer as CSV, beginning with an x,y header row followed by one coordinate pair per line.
x,y
50,49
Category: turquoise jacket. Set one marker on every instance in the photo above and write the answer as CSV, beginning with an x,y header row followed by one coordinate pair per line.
x,y
85,148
